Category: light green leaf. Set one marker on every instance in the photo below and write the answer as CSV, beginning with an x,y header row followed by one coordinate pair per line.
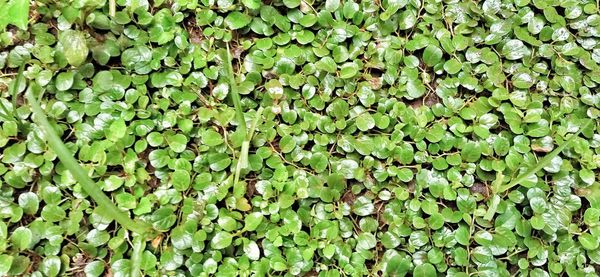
x,y
221,240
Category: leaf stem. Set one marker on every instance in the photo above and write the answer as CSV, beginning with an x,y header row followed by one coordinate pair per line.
x,y
89,186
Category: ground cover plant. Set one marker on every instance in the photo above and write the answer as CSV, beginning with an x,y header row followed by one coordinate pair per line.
x,y
299,138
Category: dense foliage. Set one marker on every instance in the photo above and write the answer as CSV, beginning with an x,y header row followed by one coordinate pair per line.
x,y
300,137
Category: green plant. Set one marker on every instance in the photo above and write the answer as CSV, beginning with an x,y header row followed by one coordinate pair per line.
x,y
300,137
107,207
14,12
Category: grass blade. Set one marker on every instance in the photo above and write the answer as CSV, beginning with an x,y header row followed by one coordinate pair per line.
x,y
235,96
136,255
239,112
88,185
243,159
16,85
543,162
13,93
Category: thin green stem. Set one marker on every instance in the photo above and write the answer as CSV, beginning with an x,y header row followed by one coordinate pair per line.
x,y
89,186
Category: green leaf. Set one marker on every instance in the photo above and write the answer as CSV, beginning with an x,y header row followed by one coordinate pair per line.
x,y
159,158
365,122
252,221
515,49
21,238
211,138
471,152
74,47
588,241
291,3
64,80
397,266
432,55
348,70
94,268
177,142
252,250
116,130
425,269
181,180
287,144
452,66
237,20
97,238
50,266
163,218
221,240
252,4
53,213
5,263
15,12
332,5
326,64
319,162
29,202
363,206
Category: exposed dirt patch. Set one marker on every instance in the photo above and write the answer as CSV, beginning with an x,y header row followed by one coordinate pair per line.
x,y
275,145
411,186
349,197
195,32
250,187
311,273
78,266
376,83
428,100
379,210
153,182
35,259
481,188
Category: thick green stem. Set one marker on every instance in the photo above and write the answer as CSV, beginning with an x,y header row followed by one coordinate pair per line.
x,y
112,8
89,186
